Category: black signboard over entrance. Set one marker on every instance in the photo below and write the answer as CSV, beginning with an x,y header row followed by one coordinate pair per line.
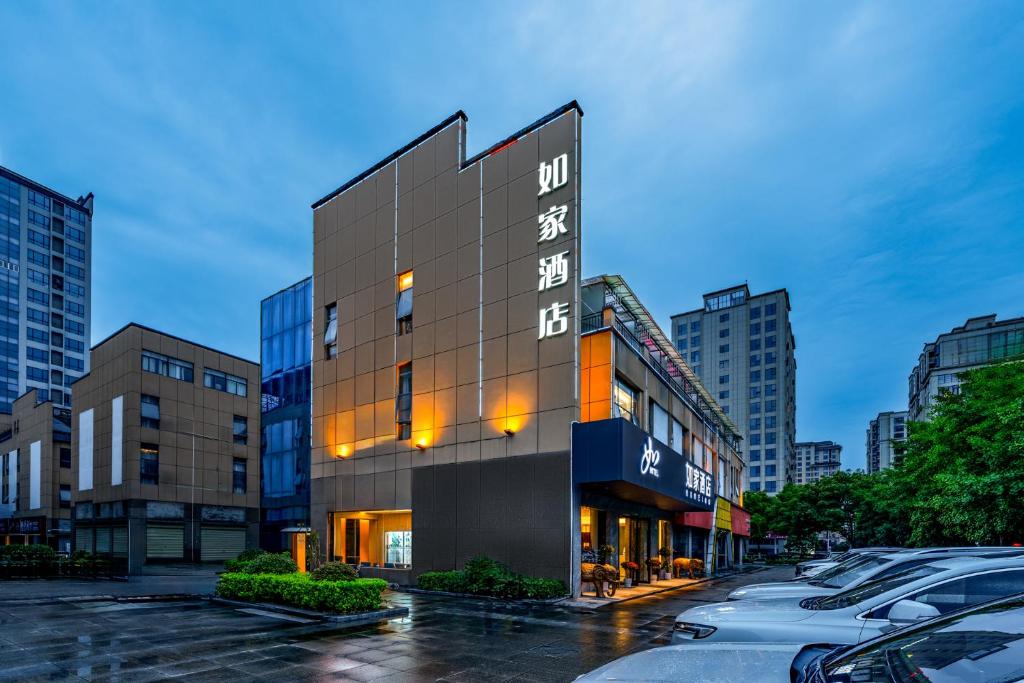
x,y
619,457
23,526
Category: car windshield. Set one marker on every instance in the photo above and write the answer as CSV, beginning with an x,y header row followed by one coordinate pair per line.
x,y
869,589
848,572
986,645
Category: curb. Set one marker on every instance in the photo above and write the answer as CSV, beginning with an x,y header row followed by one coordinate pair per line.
x,y
667,589
385,614
507,601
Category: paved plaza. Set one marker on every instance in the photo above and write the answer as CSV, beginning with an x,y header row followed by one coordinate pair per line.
x,y
84,637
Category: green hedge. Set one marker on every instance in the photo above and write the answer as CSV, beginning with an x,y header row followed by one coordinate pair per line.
x,y
262,563
484,576
298,590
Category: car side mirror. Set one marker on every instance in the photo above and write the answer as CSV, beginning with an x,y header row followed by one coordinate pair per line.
x,y
910,611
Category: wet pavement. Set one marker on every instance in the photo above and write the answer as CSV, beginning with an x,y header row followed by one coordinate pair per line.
x,y
450,639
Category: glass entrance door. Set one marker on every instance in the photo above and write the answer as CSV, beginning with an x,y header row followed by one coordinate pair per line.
x,y
634,546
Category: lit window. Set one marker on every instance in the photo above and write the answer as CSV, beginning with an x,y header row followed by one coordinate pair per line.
x,y
149,464
398,546
625,402
403,308
331,331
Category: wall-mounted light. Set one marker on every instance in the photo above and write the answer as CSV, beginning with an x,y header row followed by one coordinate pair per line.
x,y
343,451
509,432
421,445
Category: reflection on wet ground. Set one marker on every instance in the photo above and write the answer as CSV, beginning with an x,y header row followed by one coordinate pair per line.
x,y
451,639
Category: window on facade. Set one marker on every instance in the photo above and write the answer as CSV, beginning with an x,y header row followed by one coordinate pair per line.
x,y
723,318
403,307
160,364
238,484
769,454
723,394
725,409
150,408
682,345
695,341
755,329
65,458
723,333
403,402
769,342
755,344
723,348
35,296
625,404
769,422
659,423
755,439
769,357
755,392
755,375
221,381
678,442
769,389
755,471
65,495
769,309
755,455
723,379
755,360
755,312
149,464
331,331
695,356
769,437
695,326
755,406
398,548
755,486
769,406
769,373
723,364
769,325
771,486
240,429
755,423
770,470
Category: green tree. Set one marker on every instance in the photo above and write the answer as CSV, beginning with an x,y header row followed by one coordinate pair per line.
x,y
964,469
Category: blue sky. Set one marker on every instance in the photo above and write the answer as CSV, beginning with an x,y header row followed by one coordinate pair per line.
x,y
869,157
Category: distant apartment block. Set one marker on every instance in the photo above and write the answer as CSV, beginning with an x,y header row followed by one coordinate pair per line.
x,y
742,347
164,454
35,474
816,460
978,342
45,288
884,435
286,413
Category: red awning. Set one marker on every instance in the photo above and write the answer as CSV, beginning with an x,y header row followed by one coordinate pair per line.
x,y
740,521
701,520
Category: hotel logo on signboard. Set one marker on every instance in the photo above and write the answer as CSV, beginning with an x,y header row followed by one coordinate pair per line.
x,y
553,270
650,459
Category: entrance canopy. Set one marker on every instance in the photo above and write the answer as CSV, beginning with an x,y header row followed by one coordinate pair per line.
x,y
617,457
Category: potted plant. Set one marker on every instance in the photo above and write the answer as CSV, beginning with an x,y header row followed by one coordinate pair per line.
x,y
666,561
605,556
653,566
631,569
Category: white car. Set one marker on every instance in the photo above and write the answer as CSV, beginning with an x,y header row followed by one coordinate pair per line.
x,y
861,569
983,644
813,567
852,616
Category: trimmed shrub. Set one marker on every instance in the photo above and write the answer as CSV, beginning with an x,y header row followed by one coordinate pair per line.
x,y
334,571
298,590
271,563
484,576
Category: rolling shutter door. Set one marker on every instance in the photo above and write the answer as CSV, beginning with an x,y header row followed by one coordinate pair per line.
x,y
165,542
120,541
219,543
103,540
83,539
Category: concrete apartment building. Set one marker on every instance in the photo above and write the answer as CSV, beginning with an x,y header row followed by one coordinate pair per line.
x,y
816,460
35,474
45,290
978,342
164,451
285,413
450,365
742,348
884,434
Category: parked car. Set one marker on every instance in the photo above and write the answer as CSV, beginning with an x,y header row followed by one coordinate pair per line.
x,y
855,615
812,567
861,569
984,643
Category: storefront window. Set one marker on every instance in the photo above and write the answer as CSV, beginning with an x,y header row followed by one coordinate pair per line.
x,y
586,522
372,539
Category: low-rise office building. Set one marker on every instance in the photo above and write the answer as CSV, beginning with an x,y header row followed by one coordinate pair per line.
x,y
816,460
286,414
460,404
978,342
884,435
164,451
35,474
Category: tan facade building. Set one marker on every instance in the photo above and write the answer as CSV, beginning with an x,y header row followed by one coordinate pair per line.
x,y
35,474
448,360
165,450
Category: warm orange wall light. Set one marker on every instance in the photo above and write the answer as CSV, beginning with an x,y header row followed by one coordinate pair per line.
x,y
343,451
404,281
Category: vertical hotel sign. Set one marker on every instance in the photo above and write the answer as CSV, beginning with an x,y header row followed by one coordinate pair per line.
x,y
553,270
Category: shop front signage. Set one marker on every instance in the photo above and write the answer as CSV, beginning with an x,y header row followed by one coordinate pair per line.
x,y
618,458
699,483
27,526
650,459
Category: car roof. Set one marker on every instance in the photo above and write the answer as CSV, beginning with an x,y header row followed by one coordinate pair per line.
x,y
969,563
980,553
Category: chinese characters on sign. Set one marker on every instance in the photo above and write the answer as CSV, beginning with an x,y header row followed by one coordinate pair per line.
x,y
553,270
698,483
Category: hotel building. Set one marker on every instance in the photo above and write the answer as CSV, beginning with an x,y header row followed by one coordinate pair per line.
x,y
816,460
164,459
472,395
35,474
